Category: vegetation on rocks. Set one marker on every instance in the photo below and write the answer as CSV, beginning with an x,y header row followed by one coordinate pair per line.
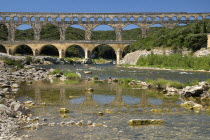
x,y
175,61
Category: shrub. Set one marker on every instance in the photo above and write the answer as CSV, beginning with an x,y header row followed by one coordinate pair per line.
x,y
71,75
56,71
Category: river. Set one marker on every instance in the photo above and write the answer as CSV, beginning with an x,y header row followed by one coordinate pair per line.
x,y
117,103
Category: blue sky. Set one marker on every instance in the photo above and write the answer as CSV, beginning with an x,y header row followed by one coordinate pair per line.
x,y
103,6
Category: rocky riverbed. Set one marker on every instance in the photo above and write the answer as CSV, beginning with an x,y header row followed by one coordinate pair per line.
x,y
12,111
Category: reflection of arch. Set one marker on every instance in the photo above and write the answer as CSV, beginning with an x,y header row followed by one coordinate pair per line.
x,y
75,51
23,49
3,49
75,32
50,50
99,99
49,32
129,100
106,52
24,32
107,34
3,32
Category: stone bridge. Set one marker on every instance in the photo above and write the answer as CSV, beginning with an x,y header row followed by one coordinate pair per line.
x,y
91,20
62,46
88,21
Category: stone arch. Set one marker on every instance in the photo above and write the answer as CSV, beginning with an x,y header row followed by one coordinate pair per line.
x,y
7,18
75,51
33,18
57,19
49,32
3,32
75,32
75,19
23,50
91,19
41,18
131,32
123,19
149,19
3,49
107,19
140,19
99,19
50,50
165,18
157,18
115,19
24,32
106,52
66,19
103,32
199,18
15,18
49,19
174,18
191,18
126,50
208,17
183,18
131,19
24,18
83,19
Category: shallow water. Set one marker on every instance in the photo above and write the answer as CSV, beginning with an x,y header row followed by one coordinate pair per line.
x,y
118,104
105,71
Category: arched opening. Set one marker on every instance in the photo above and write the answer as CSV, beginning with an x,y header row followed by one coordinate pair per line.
x,y
75,19
3,32
75,32
24,32
192,18
103,32
58,19
149,19
92,19
107,19
166,18
75,51
41,19
33,19
100,19
127,50
66,19
24,18
103,51
3,49
49,50
200,18
207,17
140,18
132,19
49,19
182,24
1,18
16,18
84,19
123,19
174,18
115,19
131,32
23,50
183,18
7,18
155,27
50,32
157,18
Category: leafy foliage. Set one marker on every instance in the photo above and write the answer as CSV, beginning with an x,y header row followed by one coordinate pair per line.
x,y
175,61
3,32
104,51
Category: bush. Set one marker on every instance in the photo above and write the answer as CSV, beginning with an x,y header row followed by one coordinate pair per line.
x,y
16,63
95,77
71,75
56,71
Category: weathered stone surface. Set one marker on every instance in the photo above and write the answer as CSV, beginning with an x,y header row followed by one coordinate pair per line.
x,y
135,122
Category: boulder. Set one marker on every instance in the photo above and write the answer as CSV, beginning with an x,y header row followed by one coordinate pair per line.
x,y
15,106
135,122
192,91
